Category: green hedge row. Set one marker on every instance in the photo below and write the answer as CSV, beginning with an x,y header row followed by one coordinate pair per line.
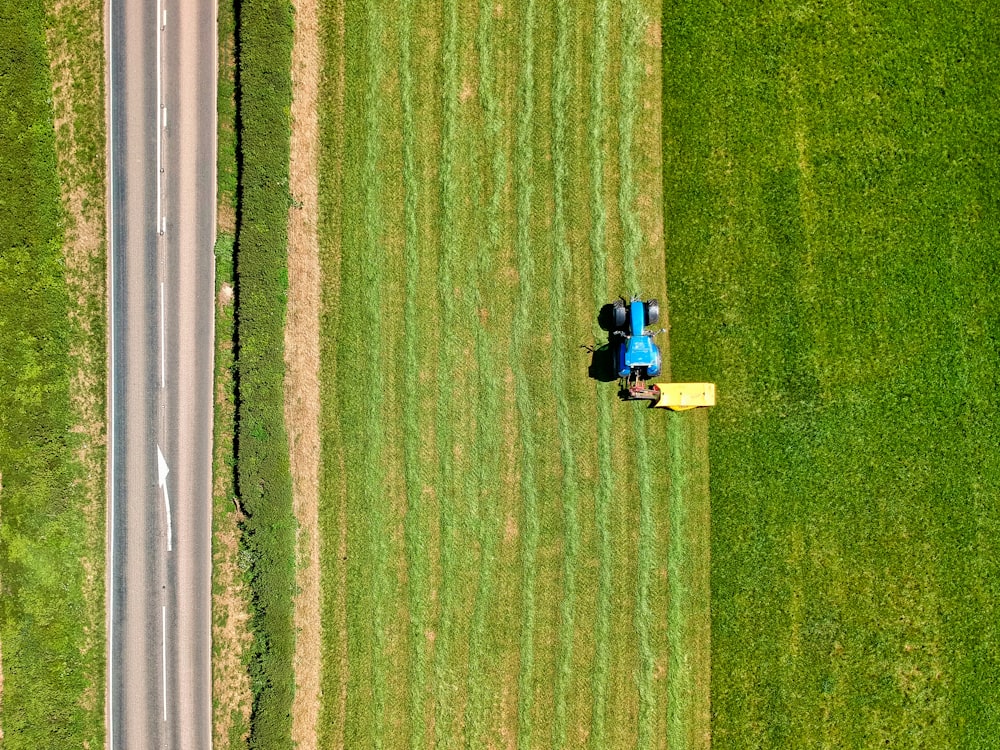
x,y
264,42
42,532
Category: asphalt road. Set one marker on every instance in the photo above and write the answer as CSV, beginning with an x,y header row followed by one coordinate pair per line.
x,y
162,146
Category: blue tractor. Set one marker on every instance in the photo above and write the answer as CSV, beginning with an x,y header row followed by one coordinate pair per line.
x,y
636,356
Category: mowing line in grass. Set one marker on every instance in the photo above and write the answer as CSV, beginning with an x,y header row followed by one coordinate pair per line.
x,y
628,111
489,407
333,719
523,185
445,413
415,538
561,271
605,476
371,301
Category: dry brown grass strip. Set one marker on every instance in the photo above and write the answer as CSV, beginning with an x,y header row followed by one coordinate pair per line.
x,y
302,402
231,635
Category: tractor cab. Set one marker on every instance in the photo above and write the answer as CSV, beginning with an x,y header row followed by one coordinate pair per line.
x,y
636,356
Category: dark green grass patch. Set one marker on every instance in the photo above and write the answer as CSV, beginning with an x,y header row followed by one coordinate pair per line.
x,y
49,698
831,209
263,481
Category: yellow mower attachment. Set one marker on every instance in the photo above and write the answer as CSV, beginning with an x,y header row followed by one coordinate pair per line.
x,y
684,396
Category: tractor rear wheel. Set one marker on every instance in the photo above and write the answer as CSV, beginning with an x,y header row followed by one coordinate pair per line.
x,y
620,312
652,312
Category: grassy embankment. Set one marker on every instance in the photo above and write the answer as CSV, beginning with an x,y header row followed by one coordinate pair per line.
x,y
494,525
832,209
263,95
51,379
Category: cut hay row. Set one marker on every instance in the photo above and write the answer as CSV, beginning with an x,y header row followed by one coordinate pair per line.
x,y
488,444
523,186
415,539
445,714
605,478
560,274
376,515
630,75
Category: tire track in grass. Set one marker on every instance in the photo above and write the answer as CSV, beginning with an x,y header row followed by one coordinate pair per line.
x,y
630,75
487,435
605,476
445,692
562,269
523,185
371,302
415,539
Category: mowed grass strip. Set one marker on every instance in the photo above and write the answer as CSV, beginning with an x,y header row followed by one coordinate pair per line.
x,y
370,399
446,411
833,260
630,72
523,186
561,270
481,718
500,567
416,537
599,285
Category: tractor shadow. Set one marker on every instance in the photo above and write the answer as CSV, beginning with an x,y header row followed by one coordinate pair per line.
x,y
602,358
602,363
606,317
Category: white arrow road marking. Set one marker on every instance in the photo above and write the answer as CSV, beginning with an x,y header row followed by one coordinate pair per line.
x,y
163,471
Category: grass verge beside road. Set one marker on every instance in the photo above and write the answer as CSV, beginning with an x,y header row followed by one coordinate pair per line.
x,y
51,384
231,693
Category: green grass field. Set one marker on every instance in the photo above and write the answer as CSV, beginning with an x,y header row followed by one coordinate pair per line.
x,y
51,540
495,525
832,254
